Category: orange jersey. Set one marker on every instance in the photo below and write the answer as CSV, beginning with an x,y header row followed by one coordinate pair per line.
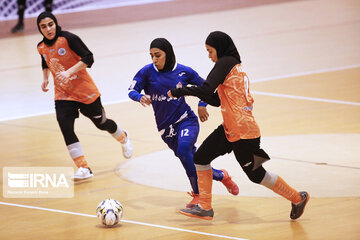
x,y
60,57
236,106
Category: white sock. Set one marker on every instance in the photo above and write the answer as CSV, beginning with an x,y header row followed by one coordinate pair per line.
x,y
269,180
118,133
75,150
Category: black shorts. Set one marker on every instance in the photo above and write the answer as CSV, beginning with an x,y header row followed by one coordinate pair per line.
x,y
70,109
216,144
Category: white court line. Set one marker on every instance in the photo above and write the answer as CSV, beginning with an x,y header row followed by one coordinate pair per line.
x,y
53,111
305,98
27,116
122,220
255,92
324,70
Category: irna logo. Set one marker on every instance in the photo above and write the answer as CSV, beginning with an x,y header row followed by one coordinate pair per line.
x,y
38,182
34,180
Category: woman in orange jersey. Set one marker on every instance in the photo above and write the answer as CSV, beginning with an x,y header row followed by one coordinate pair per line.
x,y
228,86
66,56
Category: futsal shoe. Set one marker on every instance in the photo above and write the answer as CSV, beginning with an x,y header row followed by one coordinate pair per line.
x,y
127,147
198,212
298,209
230,185
82,173
194,201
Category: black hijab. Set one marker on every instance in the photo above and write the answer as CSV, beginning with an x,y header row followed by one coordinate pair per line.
x,y
223,44
58,28
165,45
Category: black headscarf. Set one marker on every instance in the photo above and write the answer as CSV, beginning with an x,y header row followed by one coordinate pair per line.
x,y
223,44
165,45
58,28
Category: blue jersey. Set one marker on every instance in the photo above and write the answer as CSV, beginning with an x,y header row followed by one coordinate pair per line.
x,y
156,84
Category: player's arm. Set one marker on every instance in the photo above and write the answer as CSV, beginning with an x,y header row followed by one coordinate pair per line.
x,y
45,83
208,91
137,85
195,79
46,74
203,113
79,47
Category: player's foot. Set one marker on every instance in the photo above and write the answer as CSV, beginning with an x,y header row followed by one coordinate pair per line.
x,y
82,173
194,201
198,212
231,186
19,27
127,146
298,209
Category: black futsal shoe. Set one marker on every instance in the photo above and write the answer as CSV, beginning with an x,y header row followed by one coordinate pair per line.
x,y
298,209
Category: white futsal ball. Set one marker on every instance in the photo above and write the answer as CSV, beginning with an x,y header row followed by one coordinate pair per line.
x,y
109,211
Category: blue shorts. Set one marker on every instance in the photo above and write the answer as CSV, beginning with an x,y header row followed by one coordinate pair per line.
x,y
186,130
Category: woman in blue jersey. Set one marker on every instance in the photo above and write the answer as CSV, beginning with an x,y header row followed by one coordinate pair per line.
x,y
176,122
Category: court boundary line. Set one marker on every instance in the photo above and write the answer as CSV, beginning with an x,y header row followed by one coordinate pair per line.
x,y
122,220
255,92
305,98
301,74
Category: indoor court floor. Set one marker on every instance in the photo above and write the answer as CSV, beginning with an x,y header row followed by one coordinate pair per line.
x,y
303,60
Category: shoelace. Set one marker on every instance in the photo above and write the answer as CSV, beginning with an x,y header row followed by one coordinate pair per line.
x,y
192,194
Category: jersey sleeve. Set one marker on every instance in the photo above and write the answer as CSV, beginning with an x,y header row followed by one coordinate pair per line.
x,y
194,78
202,103
43,63
137,85
79,47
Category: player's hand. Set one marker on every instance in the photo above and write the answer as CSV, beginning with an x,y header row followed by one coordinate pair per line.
x,y
44,85
203,113
169,94
145,100
62,77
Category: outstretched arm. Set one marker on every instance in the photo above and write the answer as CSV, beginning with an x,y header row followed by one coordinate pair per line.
x,y
206,92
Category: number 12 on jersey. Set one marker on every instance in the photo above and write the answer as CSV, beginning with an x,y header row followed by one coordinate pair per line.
x,y
184,133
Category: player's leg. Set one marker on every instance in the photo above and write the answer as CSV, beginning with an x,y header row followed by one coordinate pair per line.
x,y
19,27
66,113
218,150
96,113
248,152
214,145
187,133
184,152
48,5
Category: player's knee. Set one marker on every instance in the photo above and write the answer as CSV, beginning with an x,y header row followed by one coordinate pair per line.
x,y
257,175
105,124
185,150
101,126
100,123
201,158
185,154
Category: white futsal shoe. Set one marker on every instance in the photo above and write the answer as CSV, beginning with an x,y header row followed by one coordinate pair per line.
x,y
82,173
127,147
